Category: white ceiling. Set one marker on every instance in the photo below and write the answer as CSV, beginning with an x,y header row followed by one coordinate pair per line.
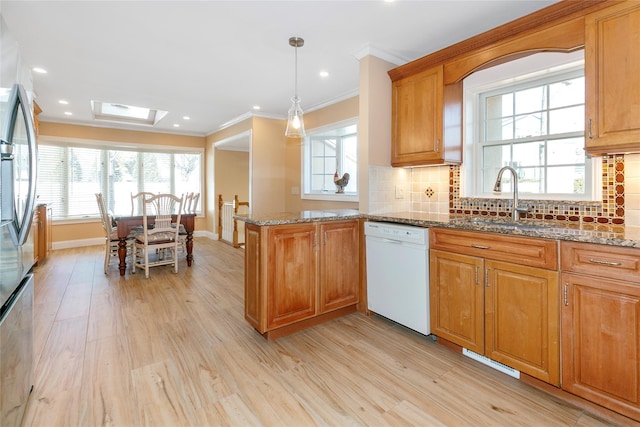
x,y
214,60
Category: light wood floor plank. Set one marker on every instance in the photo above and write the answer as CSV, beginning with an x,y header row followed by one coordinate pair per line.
x,y
175,350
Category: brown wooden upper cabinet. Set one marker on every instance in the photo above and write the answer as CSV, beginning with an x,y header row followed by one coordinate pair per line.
x,y
612,61
427,92
418,121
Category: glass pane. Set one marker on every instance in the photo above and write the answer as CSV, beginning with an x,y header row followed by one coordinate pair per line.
x,y
528,154
531,125
187,173
84,169
329,166
566,179
566,120
317,182
530,100
566,151
350,162
499,106
52,178
531,180
317,165
317,147
328,183
499,129
496,156
568,92
123,181
156,169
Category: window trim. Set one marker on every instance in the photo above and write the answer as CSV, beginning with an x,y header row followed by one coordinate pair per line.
x,y
474,142
304,153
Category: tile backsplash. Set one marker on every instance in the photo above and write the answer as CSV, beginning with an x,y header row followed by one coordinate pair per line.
x,y
436,190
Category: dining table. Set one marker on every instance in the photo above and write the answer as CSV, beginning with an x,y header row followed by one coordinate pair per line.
x,y
127,223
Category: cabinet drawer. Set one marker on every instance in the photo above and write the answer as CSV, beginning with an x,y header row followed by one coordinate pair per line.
x,y
528,251
612,262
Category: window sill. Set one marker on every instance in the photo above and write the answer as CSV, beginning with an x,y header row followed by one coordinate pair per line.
x,y
332,197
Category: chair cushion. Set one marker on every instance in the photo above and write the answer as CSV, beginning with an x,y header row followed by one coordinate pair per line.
x,y
163,237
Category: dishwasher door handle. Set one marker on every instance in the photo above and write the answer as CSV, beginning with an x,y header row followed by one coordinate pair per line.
x,y
397,242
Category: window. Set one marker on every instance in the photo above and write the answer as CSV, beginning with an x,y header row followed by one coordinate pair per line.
x,y
327,151
535,125
69,176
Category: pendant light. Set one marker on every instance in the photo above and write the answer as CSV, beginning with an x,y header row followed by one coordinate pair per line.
x,y
295,123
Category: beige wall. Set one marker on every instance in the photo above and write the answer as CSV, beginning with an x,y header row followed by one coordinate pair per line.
x,y
231,176
89,230
374,131
212,167
334,113
266,160
268,166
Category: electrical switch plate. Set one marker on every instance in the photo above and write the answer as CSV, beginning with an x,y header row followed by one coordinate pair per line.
x,y
399,191
295,190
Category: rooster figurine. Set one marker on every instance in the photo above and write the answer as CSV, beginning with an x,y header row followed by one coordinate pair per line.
x,y
340,182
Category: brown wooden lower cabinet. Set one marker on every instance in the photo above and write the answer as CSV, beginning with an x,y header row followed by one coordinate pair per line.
x,y
601,325
41,233
506,311
297,275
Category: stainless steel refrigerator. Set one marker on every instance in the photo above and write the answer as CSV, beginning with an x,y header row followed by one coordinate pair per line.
x,y
17,201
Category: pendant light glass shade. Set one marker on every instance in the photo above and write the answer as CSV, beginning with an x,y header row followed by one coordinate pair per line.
x,y
295,122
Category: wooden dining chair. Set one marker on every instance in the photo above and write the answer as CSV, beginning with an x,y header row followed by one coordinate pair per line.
x,y
158,245
136,199
111,234
190,203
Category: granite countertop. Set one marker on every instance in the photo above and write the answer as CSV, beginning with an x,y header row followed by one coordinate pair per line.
x,y
281,218
606,234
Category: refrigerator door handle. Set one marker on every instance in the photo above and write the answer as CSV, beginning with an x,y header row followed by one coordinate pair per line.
x,y
18,104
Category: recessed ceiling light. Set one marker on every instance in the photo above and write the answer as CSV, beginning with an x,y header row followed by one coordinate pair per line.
x,y
324,74
186,118
256,107
176,125
39,70
68,113
63,102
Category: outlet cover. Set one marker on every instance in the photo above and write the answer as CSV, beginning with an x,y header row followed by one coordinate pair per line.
x,y
399,191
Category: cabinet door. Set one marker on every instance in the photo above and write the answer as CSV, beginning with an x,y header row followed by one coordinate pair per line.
x,y
522,319
456,298
417,109
612,61
49,229
43,243
291,277
601,341
253,310
339,266
35,230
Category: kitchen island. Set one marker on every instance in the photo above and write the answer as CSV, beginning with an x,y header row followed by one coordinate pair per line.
x,y
301,269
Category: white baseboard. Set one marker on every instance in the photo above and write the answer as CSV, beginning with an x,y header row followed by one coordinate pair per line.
x,y
67,244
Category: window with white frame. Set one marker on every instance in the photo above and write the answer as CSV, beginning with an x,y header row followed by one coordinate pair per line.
x,y
535,125
329,151
70,175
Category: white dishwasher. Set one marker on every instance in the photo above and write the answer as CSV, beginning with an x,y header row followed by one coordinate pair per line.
x,y
398,273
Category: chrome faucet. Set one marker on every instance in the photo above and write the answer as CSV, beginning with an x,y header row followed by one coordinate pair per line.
x,y
517,210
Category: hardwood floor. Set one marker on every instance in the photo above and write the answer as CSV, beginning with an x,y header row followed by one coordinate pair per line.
x,y
174,350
